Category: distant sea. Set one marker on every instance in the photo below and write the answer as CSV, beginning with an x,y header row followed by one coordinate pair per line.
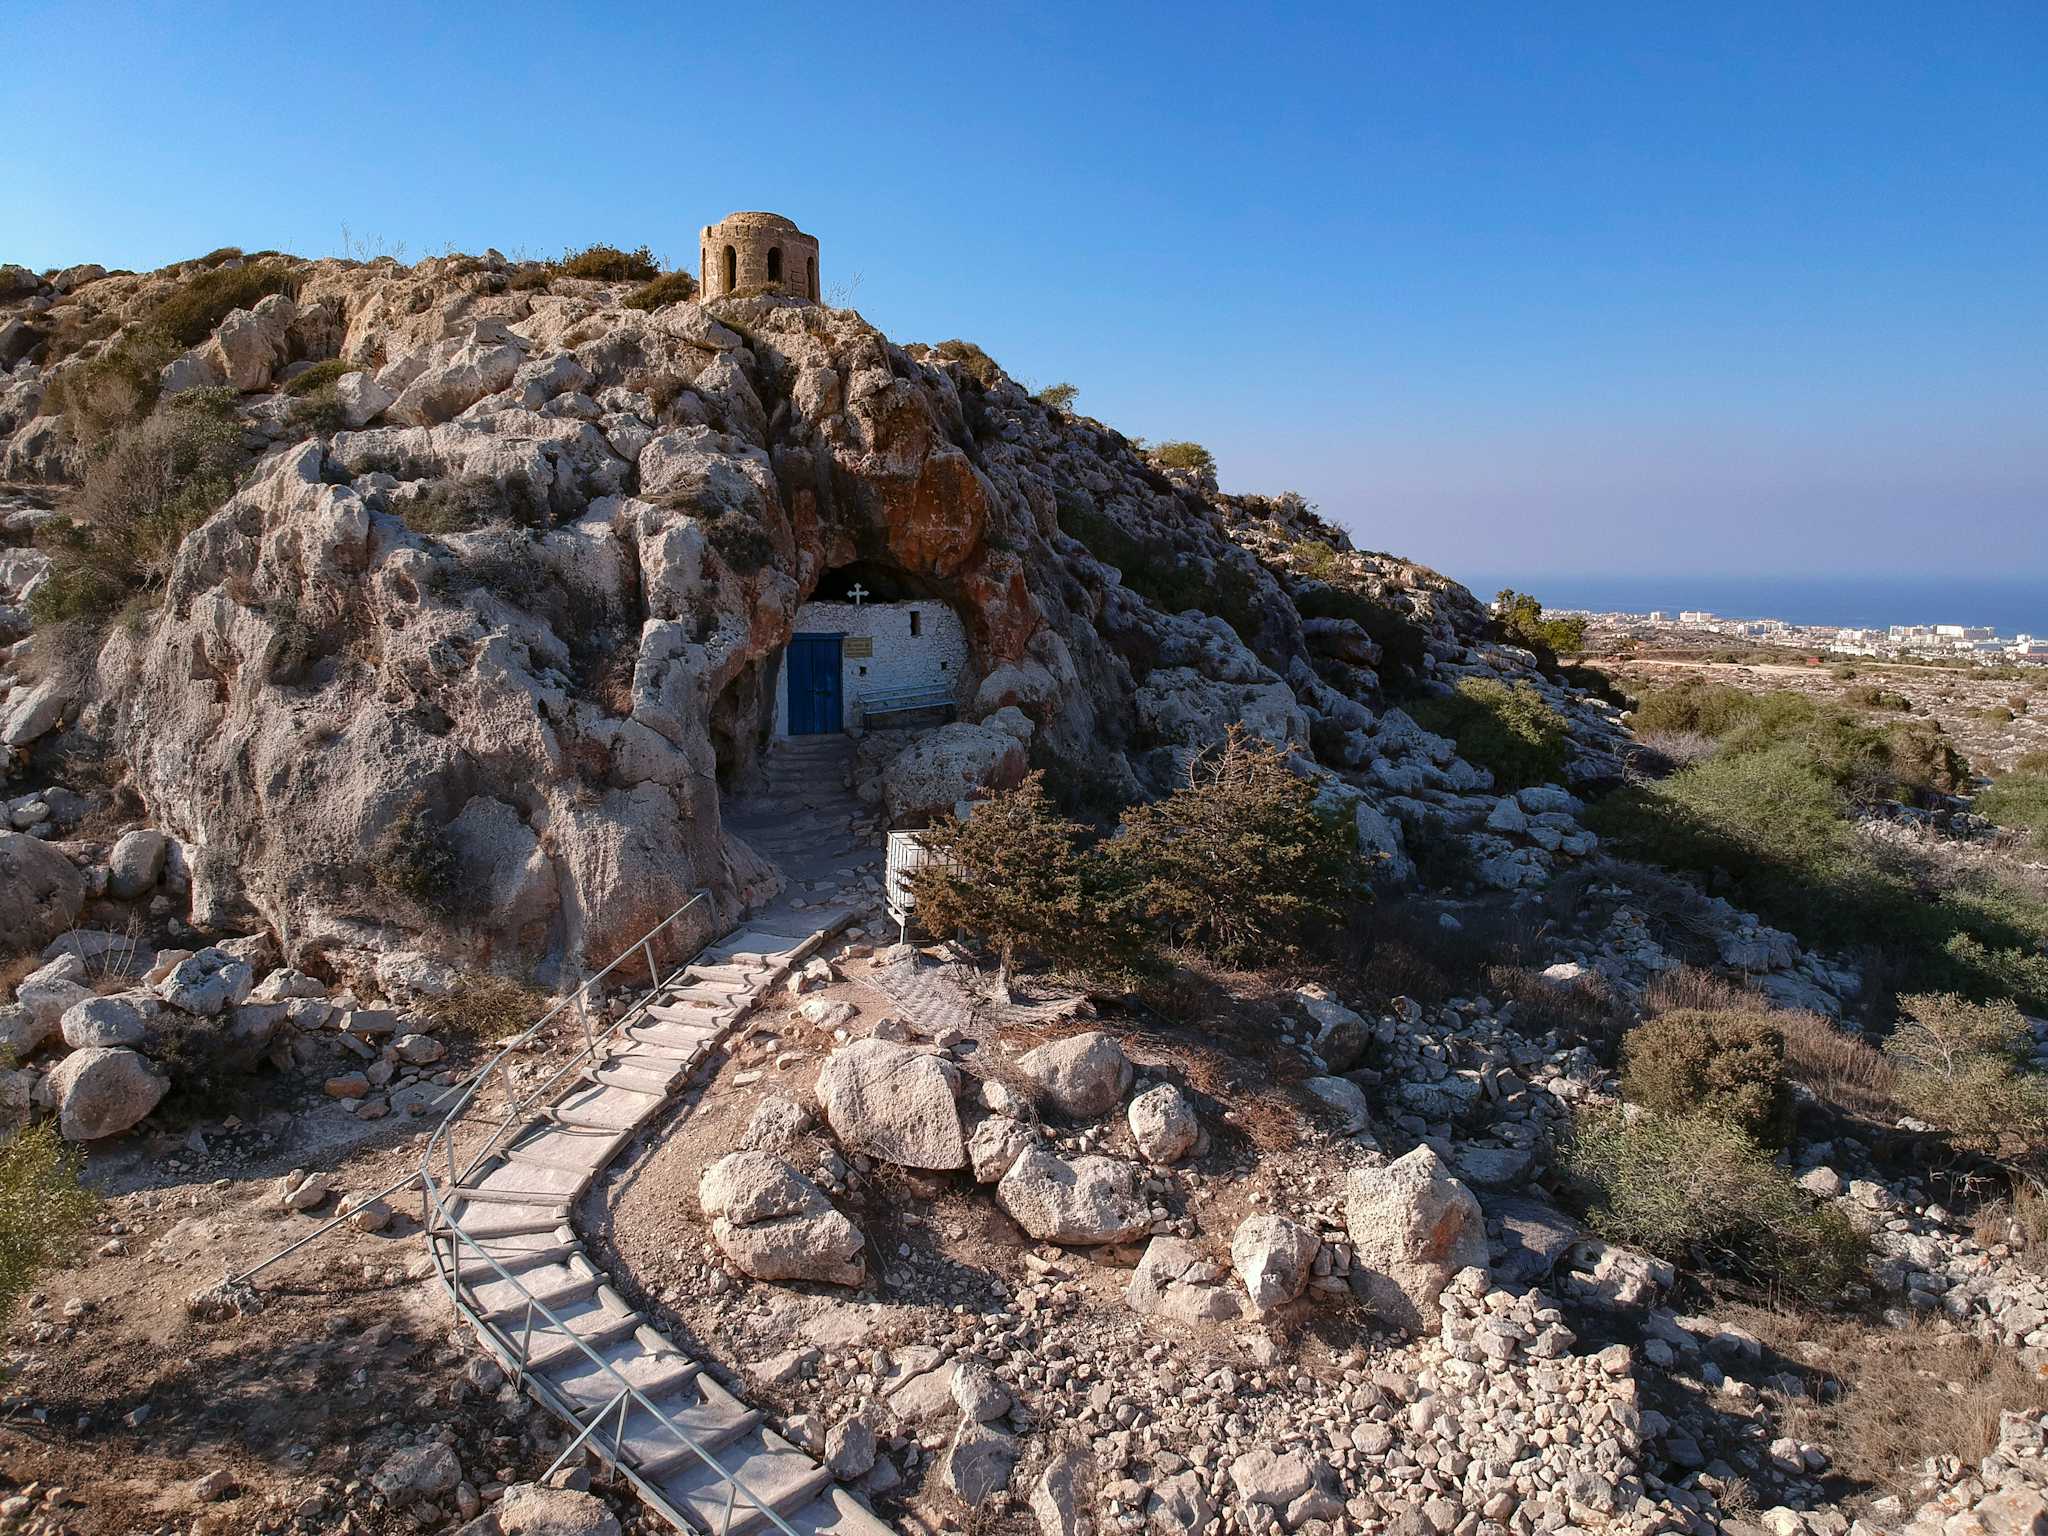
x,y
1859,602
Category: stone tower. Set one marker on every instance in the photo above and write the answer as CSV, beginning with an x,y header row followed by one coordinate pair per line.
x,y
753,250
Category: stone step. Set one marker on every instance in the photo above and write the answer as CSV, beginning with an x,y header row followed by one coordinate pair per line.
x,y
552,1285
773,1471
605,1107
633,1045
548,1145
835,1512
588,1387
692,1015
485,1219
703,997
521,1183
600,1317
644,1076
505,1253
685,1041
701,1409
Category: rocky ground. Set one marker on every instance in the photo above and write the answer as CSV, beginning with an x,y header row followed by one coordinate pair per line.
x,y
465,684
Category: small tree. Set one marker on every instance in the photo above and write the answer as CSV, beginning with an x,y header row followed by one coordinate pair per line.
x,y
1017,875
1239,861
1058,397
43,1208
1961,1068
1186,455
1522,622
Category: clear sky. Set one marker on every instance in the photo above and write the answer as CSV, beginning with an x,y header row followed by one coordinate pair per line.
x,y
1617,288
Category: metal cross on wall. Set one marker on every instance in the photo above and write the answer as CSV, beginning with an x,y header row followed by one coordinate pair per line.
x,y
858,593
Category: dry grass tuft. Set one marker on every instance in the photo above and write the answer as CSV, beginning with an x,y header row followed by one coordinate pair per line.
x,y
1906,1394
1844,1072
485,1009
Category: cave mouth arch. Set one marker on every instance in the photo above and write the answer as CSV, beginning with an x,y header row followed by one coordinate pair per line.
x,y
879,583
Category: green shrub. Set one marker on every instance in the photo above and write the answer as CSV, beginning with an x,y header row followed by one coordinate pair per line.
x,y
669,288
1870,696
1058,397
1185,455
1770,831
742,543
1239,863
1695,1189
2030,763
1510,731
2019,801
319,376
1964,1068
191,313
1907,759
1729,1065
974,362
113,391
1522,623
609,264
1017,876
44,1209
318,412
143,491
1319,560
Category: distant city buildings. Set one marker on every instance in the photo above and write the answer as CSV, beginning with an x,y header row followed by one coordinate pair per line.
x,y
1961,642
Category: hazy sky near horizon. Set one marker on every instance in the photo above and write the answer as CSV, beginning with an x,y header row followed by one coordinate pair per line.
x,y
1606,288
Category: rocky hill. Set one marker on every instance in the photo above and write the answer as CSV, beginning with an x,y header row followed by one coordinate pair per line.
x,y
509,566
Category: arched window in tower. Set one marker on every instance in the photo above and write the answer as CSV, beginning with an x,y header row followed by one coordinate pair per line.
x,y
812,284
774,263
732,269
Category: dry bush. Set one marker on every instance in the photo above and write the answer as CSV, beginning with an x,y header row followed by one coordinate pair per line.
x,y
1583,1011
1725,1064
1906,1394
1680,748
483,1009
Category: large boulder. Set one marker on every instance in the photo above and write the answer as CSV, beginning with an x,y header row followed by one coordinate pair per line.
x,y
40,892
1413,1227
207,981
120,1020
251,344
1083,1075
1086,1201
460,371
534,1509
103,1092
892,1103
775,1224
1275,1258
1176,1280
1163,1124
136,864
954,763
31,711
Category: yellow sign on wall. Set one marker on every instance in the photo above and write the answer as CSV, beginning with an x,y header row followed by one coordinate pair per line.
x,y
859,645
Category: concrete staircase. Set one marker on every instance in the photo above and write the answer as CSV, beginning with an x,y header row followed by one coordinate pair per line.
x,y
523,1255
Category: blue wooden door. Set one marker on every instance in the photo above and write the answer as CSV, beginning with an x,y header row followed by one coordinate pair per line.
x,y
814,702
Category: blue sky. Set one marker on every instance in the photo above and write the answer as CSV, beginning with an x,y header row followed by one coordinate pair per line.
x,y
1613,288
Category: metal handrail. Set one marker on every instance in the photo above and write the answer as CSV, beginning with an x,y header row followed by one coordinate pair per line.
x,y
440,1222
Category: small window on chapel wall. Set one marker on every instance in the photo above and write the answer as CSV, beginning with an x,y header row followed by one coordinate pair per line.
x,y
774,263
916,623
